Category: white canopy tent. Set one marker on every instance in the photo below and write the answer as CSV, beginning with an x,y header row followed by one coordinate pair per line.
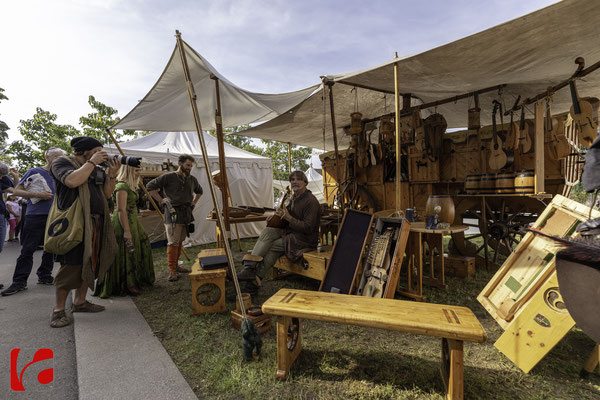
x,y
315,184
527,54
250,175
166,107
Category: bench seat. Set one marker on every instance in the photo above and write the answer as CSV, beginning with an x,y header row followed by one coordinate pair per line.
x,y
451,323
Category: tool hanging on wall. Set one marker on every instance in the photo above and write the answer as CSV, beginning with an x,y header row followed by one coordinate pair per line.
x,y
434,128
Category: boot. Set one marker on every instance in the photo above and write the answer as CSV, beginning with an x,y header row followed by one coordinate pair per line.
x,y
252,287
181,269
250,267
172,262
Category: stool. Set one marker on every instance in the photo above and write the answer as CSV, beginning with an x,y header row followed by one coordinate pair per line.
x,y
208,287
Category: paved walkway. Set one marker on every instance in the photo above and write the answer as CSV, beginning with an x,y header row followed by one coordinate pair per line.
x,y
109,355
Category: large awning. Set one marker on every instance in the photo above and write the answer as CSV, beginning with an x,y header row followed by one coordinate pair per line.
x,y
166,107
527,54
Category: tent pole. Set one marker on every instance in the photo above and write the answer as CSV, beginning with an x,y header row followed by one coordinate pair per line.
x,y
143,187
213,193
289,158
222,165
398,140
335,142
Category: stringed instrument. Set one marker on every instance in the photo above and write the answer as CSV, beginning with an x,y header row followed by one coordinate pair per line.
x,y
555,140
525,141
380,260
582,113
276,221
510,142
498,158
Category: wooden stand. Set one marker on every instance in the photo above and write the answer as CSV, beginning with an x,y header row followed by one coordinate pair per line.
x,y
312,264
208,287
434,259
592,362
450,323
262,322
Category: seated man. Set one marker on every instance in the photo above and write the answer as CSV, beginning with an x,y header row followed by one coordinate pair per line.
x,y
301,234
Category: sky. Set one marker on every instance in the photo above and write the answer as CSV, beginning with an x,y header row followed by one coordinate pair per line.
x,y
57,53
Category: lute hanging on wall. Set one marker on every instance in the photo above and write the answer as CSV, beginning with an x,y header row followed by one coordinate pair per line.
x,y
498,157
555,140
525,142
582,113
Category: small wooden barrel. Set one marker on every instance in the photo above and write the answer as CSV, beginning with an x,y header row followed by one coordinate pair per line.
x,y
447,207
472,184
487,184
505,183
525,181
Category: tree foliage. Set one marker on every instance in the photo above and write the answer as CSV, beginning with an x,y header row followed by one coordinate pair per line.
x,y
3,126
104,117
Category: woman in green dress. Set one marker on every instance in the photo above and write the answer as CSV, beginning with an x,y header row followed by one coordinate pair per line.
x,y
133,266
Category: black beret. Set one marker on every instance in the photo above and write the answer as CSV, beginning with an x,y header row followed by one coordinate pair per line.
x,y
84,143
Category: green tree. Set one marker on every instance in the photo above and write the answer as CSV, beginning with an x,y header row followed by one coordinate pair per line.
x,y
103,117
242,142
39,133
3,134
278,153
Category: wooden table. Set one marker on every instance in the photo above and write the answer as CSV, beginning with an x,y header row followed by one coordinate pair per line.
x,y
434,258
233,220
452,324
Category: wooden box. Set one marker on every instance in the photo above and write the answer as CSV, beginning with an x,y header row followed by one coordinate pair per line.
x,y
312,265
208,287
459,266
262,322
532,261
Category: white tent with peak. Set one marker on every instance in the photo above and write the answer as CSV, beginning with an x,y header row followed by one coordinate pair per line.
x,y
250,175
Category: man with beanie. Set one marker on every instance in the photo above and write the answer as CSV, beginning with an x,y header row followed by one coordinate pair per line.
x,y
82,176
302,218
39,200
182,191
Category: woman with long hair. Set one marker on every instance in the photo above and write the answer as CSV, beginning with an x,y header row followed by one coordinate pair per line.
x,y
133,266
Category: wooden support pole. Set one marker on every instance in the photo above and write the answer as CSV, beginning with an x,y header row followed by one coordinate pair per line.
x,y
222,163
538,144
335,142
211,184
398,139
289,158
162,217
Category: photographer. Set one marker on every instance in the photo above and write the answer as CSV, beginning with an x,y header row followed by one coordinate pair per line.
x,y
179,187
82,176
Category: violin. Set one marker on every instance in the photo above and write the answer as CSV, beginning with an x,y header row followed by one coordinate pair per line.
x,y
582,113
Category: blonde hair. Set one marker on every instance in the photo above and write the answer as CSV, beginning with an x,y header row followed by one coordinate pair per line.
x,y
126,175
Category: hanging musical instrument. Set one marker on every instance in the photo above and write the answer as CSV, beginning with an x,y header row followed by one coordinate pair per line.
x,y
582,113
277,221
555,141
510,141
525,140
498,157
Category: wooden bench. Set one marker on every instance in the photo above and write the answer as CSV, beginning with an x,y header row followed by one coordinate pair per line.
x,y
453,324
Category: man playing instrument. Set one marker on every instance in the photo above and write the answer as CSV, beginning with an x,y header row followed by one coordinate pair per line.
x,y
302,217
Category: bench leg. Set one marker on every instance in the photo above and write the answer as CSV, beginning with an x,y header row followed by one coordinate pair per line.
x,y
592,362
452,368
289,344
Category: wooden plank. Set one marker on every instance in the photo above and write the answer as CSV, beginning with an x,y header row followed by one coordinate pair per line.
x,y
538,145
285,356
537,329
312,265
458,323
399,251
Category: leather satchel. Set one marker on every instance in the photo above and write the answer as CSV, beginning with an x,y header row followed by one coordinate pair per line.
x,y
213,262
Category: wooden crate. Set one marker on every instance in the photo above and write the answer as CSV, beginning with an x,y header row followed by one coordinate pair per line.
x,y
459,266
312,265
262,322
543,322
532,262
208,287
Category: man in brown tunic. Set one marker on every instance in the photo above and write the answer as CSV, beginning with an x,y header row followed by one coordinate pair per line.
x,y
182,191
301,234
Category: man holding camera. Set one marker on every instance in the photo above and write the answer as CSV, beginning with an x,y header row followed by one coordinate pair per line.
x,y
37,186
89,174
182,191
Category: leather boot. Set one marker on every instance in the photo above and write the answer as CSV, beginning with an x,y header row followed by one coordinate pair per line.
x,y
250,267
181,269
172,262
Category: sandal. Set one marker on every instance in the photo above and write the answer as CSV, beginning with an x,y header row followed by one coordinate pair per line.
x,y
59,319
87,307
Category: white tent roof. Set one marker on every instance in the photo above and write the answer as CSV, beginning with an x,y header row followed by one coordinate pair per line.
x,y
167,107
160,146
528,54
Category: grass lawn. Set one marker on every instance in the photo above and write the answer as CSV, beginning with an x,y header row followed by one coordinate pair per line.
x,y
348,362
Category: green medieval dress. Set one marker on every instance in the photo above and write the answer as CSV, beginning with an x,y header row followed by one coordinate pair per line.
x,y
131,269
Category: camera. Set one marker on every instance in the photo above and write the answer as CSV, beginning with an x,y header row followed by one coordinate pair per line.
x,y
126,160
